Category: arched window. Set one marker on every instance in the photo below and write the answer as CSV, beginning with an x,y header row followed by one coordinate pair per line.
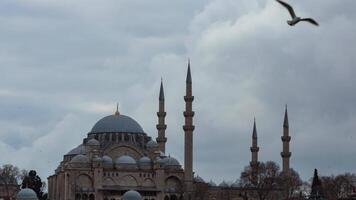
x,y
127,138
77,196
166,198
174,197
91,197
84,197
107,137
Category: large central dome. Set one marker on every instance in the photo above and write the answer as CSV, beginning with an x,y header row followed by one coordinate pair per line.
x,y
117,123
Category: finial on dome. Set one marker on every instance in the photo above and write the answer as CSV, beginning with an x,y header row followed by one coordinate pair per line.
x,y
117,109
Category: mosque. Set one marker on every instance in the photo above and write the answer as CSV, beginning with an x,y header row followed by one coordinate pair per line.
x,y
118,160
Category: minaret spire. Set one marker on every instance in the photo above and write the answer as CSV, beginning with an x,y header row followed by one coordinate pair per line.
x,y
285,122
286,154
254,149
188,137
161,126
189,76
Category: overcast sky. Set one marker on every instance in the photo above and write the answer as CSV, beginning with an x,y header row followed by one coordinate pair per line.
x,y
64,64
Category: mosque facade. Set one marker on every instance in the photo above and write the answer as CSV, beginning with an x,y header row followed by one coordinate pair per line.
x,y
118,156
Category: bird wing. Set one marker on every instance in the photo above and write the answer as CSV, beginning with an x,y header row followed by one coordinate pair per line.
x,y
310,20
289,7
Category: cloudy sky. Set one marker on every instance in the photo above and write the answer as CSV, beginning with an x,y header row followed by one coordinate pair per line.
x,y
64,64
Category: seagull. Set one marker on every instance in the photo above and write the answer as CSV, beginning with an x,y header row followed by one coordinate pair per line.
x,y
296,19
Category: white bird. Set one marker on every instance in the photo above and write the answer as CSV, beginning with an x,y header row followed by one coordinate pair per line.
x,y
296,19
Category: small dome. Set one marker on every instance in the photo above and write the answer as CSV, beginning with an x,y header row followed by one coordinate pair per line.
x,y
97,159
199,179
80,159
26,194
93,142
223,184
125,159
211,183
77,150
151,144
235,184
170,161
144,161
107,161
131,195
117,123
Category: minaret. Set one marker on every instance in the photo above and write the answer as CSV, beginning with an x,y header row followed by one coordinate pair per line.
x,y
188,137
286,154
161,126
254,149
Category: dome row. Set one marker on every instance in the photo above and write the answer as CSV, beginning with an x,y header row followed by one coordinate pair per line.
x,y
126,160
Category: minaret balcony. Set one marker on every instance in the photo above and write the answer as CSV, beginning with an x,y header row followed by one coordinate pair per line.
x,y
161,114
286,154
254,149
161,139
285,138
188,128
188,113
188,98
161,126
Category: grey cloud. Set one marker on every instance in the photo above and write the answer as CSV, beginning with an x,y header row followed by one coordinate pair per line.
x,y
67,61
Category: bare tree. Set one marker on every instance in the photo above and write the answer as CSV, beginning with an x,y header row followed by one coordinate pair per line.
x,y
262,182
291,183
9,174
339,186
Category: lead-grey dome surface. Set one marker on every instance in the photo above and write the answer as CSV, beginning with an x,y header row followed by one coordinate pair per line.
x,y
144,161
80,159
131,195
117,123
26,194
93,142
77,150
125,159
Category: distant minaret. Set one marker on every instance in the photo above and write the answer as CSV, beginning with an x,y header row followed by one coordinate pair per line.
x,y
188,137
286,154
254,149
161,126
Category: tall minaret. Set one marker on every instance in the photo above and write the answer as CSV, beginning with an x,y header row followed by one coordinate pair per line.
x,y
188,137
254,149
161,126
286,154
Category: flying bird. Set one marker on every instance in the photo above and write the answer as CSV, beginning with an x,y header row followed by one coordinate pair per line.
x,y
296,19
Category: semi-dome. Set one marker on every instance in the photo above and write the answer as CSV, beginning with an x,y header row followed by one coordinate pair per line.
x,y
151,144
117,123
93,142
107,161
125,159
97,159
131,195
80,159
77,150
144,161
170,161
26,194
